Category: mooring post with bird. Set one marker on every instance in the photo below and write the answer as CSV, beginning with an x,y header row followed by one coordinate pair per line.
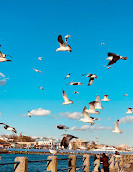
x,y
52,163
22,166
72,159
86,163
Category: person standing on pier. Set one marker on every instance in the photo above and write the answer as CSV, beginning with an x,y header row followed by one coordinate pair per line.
x,y
105,162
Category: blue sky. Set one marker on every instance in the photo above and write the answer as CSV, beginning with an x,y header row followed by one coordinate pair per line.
x,y
30,30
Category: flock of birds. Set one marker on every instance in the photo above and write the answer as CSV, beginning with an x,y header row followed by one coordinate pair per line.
x,y
93,105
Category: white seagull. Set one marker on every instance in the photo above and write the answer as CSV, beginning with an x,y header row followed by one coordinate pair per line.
x,y
92,108
68,76
3,57
105,99
102,43
75,83
67,100
117,130
40,58
52,151
92,77
129,110
114,58
66,37
87,118
63,47
29,114
37,70
9,128
98,103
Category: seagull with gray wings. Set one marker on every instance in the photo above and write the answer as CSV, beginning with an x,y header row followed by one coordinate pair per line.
x,y
114,58
3,57
92,109
98,103
63,46
87,118
129,110
92,77
9,128
66,140
62,127
106,99
117,130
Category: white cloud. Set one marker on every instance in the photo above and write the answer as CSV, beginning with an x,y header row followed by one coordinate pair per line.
x,y
40,112
101,128
3,82
2,75
0,113
74,115
127,119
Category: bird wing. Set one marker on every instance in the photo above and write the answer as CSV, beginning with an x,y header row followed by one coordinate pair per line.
x,y
91,81
4,124
117,125
85,114
65,96
98,101
65,142
114,60
92,105
112,54
1,54
60,40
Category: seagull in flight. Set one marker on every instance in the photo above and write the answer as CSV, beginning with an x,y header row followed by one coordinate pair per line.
x,y
87,118
98,103
68,76
92,109
114,58
63,47
62,127
40,58
75,83
41,88
37,70
66,37
102,43
117,130
105,99
129,110
67,100
29,114
108,67
125,95
76,92
9,128
3,57
92,77
66,140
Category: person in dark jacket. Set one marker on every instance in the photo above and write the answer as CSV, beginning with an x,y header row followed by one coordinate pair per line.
x,y
104,160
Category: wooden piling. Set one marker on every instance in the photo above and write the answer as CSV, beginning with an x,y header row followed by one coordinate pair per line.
x,y
86,163
97,164
22,166
52,164
72,163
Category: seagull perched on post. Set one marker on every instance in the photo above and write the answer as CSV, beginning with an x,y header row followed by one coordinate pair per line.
x,y
3,57
68,76
117,130
75,83
63,47
7,127
105,99
92,77
66,139
67,100
62,127
129,111
37,70
87,118
114,58
66,37
92,108
98,103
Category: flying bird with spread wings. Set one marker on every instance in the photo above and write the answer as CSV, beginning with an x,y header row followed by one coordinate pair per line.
x,y
63,46
117,130
66,99
3,57
66,140
92,109
9,128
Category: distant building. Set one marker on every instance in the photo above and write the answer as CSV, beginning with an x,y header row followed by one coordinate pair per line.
x,y
79,144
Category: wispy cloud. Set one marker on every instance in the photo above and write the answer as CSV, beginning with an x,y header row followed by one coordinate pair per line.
x,y
40,112
74,115
127,119
3,82
73,128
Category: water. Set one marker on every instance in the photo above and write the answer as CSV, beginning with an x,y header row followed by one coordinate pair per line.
x,y
37,166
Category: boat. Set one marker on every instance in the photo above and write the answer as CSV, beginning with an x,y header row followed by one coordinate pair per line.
x,y
105,149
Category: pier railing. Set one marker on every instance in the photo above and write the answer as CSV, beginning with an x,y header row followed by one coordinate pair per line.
x,y
116,162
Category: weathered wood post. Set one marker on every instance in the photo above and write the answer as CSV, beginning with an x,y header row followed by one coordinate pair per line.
x,y
22,166
116,163
125,159
121,161
131,158
97,164
72,163
128,159
52,164
86,163
112,166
